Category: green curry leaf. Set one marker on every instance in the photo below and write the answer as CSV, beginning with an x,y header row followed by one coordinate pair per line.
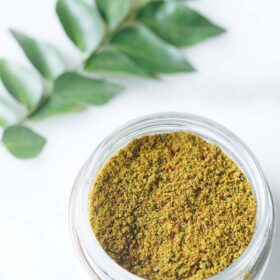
x,y
81,22
23,84
8,113
46,59
55,106
114,11
144,47
22,142
112,60
82,89
178,24
72,92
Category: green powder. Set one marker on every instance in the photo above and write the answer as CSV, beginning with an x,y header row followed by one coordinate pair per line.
x,y
172,206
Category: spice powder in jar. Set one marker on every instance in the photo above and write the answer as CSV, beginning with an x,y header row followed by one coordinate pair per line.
x,y
172,206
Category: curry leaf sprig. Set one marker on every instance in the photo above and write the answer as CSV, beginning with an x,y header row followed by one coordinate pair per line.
x,y
120,37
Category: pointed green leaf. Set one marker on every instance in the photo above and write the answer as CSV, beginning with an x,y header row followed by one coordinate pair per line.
x,y
114,11
22,142
111,60
23,84
143,46
8,112
82,89
72,92
55,106
45,58
177,24
81,22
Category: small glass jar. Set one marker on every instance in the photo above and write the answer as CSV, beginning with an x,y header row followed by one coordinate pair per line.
x,y
253,261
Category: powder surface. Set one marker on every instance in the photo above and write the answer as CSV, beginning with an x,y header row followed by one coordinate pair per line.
x,y
172,206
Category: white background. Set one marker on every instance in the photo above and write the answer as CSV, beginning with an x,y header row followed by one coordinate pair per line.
x,y
237,84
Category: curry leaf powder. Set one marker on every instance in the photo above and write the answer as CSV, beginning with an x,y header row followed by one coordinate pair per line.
x,y
172,206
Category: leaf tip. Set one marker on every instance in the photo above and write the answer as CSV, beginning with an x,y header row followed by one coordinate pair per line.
x,y
220,30
188,67
14,32
58,2
18,36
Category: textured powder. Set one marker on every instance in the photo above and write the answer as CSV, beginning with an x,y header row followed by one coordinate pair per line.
x,y
172,206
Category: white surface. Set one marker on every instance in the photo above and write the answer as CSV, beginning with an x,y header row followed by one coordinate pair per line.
x,y
238,85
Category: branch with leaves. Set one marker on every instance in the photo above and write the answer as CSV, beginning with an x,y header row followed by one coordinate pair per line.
x,y
131,37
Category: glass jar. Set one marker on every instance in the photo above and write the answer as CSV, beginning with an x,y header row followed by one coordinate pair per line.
x,y
250,265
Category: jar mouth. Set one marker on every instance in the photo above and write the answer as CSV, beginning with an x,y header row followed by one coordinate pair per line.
x,y
90,251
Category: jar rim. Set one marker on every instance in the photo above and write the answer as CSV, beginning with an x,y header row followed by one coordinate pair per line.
x,y
82,233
